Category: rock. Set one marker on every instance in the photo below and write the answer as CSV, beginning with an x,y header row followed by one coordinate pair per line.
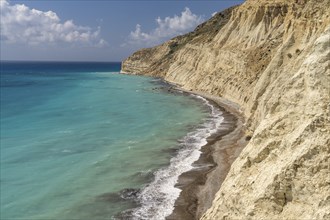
x,y
272,58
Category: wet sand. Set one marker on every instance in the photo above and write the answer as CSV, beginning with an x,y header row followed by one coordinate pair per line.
x,y
200,185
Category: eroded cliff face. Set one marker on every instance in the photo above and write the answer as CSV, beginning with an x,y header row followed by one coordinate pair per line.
x,y
273,59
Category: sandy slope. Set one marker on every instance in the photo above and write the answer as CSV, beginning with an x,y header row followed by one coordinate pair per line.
x,y
272,57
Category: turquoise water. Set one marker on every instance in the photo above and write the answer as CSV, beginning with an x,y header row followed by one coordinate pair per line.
x,y
80,141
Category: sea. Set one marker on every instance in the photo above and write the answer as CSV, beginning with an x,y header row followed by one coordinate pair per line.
x,y
79,140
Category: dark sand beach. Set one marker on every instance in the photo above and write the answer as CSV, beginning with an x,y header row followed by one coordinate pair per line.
x,y
200,185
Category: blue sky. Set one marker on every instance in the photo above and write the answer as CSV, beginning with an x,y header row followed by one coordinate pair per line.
x,y
83,30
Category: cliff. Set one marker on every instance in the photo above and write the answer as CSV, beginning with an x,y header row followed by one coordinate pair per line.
x,y
273,59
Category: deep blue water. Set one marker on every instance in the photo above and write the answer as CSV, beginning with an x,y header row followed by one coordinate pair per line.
x,y
81,141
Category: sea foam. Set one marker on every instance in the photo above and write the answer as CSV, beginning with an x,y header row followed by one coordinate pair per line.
x,y
157,199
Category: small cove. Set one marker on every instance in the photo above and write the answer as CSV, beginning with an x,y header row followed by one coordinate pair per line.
x,y
80,141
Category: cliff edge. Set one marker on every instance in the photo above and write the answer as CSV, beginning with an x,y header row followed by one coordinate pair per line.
x,y
273,59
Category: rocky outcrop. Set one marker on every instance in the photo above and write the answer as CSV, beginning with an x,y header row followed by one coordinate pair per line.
x,y
273,59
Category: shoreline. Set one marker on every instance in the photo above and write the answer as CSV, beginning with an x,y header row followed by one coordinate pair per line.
x,y
200,184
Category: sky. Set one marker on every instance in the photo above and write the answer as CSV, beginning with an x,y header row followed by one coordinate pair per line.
x,y
98,30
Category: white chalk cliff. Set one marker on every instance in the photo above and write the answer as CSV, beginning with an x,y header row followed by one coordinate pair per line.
x,y
272,57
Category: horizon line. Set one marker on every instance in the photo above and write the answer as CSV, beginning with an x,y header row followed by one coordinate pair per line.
x,y
62,61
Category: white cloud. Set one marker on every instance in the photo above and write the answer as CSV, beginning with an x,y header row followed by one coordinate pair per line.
x,y
214,13
20,24
166,28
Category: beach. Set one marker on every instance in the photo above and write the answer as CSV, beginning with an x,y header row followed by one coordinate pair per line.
x,y
200,184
